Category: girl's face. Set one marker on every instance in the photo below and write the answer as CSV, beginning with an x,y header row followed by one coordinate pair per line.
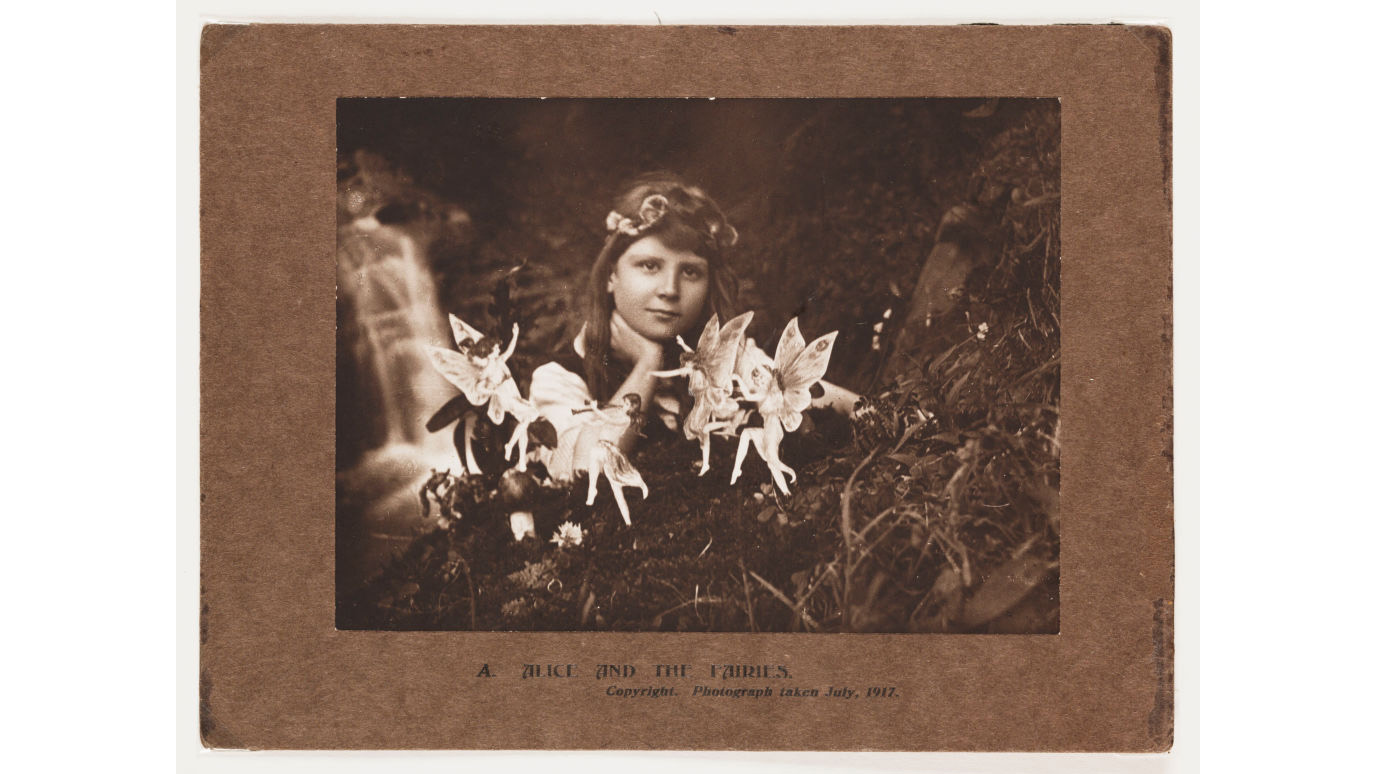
x,y
660,291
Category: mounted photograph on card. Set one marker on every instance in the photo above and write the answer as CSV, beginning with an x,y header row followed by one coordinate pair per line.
x,y
736,365
743,388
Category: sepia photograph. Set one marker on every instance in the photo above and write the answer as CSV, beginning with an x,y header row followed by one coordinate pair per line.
x,y
817,396
698,365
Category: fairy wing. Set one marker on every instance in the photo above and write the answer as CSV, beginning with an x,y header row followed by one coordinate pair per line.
x,y
458,370
619,470
809,367
790,345
695,424
507,398
463,330
800,365
755,371
719,360
708,338
707,341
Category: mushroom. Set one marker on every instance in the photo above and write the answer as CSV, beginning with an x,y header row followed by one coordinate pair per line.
x,y
516,493
522,525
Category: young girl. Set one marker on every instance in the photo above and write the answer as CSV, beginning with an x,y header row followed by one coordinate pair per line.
x,y
661,273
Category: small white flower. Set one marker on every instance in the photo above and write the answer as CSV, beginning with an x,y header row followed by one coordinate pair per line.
x,y
569,534
983,331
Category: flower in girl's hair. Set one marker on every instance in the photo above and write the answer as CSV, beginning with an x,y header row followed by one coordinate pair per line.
x,y
569,534
656,206
618,222
724,233
983,331
651,210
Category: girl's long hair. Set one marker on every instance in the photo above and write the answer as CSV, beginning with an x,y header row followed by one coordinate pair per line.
x,y
693,222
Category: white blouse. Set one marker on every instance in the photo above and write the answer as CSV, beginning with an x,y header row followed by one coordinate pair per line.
x,y
562,397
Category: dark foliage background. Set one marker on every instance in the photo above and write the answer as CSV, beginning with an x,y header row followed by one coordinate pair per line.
x,y
839,204
837,201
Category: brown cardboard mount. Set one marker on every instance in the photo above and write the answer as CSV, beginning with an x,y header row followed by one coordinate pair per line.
x,y
274,671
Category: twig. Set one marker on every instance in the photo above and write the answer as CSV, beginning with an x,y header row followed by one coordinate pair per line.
x,y
831,566
931,367
869,547
1027,248
749,604
659,619
846,534
1052,311
1052,363
704,548
472,596
589,602
798,611
669,586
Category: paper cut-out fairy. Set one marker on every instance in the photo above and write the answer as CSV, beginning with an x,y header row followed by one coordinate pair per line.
x,y
479,370
710,369
781,389
527,424
598,453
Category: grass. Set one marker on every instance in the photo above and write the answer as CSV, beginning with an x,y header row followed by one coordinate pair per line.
x,y
940,515
937,512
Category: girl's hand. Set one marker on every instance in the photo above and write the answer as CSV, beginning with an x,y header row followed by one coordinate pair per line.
x,y
633,346
836,398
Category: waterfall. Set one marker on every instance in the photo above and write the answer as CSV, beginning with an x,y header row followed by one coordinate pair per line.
x,y
384,279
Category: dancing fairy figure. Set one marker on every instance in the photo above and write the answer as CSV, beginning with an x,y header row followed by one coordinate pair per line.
x,y
509,399
709,369
597,452
479,370
781,389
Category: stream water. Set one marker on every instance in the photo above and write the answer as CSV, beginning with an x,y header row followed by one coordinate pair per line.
x,y
385,283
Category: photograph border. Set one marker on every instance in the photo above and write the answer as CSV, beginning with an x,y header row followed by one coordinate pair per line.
x,y
275,674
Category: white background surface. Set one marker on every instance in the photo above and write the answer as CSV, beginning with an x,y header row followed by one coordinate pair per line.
x,y
100,316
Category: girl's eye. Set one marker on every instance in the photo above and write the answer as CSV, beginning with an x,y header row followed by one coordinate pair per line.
x,y
692,272
649,265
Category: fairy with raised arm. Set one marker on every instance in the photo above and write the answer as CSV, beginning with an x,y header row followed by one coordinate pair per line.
x,y
661,273
480,372
661,276
710,369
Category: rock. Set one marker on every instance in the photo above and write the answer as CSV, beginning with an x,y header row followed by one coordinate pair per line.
x,y
968,237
